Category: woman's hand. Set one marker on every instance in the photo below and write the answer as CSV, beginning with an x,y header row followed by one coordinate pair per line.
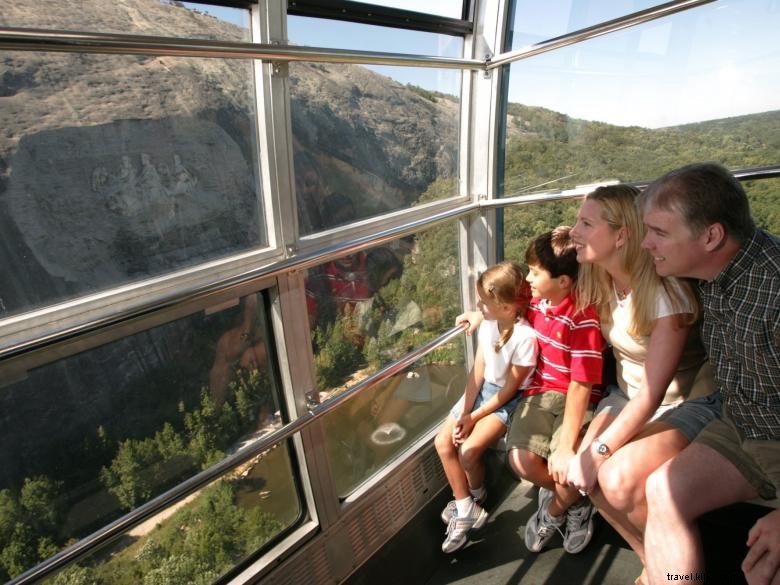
x,y
470,318
583,470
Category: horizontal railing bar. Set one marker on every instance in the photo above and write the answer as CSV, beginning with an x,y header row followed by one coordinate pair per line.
x,y
597,30
148,510
23,39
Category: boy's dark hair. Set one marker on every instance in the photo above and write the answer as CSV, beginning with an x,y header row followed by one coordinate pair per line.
x,y
554,252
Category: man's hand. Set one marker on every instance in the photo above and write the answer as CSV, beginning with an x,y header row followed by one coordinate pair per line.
x,y
558,465
762,562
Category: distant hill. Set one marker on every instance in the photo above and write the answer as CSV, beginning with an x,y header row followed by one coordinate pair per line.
x,y
545,145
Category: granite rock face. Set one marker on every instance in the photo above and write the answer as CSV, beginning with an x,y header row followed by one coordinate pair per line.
x,y
115,168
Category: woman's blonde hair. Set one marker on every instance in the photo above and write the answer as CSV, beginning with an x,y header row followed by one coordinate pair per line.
x,y
594,285
505,283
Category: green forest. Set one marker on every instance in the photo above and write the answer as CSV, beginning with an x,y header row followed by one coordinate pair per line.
x,y
550,149
218,530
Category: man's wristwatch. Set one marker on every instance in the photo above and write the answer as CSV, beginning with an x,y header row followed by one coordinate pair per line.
x,y
601,448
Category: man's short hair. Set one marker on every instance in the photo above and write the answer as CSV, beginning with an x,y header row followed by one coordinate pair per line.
x,y
703,194
554,252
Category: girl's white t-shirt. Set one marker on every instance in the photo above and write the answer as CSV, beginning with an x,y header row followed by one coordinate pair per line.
x,y
521,350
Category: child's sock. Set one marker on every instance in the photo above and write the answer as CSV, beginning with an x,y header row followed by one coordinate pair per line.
x,y
464,506
478,494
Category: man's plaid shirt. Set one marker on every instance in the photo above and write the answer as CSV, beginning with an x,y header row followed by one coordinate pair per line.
x,y
741,331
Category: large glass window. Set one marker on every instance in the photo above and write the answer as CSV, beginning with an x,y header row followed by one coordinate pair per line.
x,y
118,168
367,310
373,139
92,436
635,103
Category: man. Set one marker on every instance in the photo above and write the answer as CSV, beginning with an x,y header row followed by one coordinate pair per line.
x,y
699,226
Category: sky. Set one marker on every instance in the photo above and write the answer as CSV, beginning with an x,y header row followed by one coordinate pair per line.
x,y
714,61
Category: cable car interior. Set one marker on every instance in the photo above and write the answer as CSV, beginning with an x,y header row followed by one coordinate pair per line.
x,y
235,239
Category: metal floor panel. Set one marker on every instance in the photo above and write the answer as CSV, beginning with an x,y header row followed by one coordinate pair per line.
x,y
496,555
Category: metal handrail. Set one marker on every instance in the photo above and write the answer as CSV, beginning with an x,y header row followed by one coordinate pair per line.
x,y
25,39
148,510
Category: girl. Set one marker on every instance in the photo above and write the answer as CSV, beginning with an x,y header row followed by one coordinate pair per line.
x,y
505,361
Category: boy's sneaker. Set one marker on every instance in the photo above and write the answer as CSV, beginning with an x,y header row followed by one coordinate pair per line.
x,y
541,526
579,526
459,527
451,509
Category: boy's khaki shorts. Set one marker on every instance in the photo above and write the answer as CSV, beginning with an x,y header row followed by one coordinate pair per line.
x,y
758,461
536,423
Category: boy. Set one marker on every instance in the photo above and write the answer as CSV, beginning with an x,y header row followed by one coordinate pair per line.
x,y
545,429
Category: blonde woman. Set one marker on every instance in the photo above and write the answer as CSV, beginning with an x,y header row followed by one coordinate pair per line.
x,y
665,392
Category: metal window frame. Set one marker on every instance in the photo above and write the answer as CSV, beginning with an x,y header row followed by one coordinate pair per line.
x,y
364,13
274,264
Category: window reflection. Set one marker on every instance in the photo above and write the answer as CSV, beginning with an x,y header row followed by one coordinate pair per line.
x,y
114,169
376,426
367,310
94,435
